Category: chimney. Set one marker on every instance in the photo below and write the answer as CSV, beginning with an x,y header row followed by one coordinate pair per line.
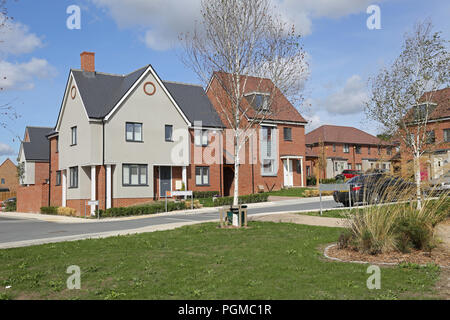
x,y
88,61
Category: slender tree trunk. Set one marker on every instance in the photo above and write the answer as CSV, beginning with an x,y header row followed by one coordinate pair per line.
x,y
236,177
418,180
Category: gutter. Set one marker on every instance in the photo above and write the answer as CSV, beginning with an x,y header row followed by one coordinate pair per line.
x,y
103,160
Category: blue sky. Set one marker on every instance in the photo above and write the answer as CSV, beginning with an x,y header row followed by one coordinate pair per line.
x,y
128,34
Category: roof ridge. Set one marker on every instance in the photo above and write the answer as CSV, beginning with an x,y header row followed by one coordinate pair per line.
x,y
41,127
183,83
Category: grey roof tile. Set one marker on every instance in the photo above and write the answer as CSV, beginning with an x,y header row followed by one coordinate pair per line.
x,y
38,147
194,103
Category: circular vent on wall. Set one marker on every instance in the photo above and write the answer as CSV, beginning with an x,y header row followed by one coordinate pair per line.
x,y
73,92
149,88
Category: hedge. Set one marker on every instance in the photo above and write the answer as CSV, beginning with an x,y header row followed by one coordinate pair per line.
x,y
142,209
160,206
204,194
252,198
49,210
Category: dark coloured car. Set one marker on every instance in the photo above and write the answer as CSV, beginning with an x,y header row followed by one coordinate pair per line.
x,y
373,189
348,174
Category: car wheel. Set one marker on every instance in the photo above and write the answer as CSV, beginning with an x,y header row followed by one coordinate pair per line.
x,y
375,198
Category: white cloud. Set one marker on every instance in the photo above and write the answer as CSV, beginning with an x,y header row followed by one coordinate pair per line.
x,y
313,122
15,38
347,100
6,150
164,20
21,76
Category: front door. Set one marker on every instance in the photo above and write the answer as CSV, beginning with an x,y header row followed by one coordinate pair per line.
x,y
165,180
288,173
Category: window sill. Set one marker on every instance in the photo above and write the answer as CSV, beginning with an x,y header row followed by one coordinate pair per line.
x,y
73,188
136,141
135,185
268,174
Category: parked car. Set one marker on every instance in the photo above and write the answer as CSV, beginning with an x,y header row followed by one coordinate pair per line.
x,y
440,185
348,174
373,188
13,199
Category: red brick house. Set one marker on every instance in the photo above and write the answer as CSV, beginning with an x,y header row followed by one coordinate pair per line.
x,y
279,137
8,176
436,160
346,148
34,159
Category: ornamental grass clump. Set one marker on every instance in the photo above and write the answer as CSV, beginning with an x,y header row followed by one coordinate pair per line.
x,y
393,222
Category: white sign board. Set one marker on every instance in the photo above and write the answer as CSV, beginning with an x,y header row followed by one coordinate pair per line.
x,y
181,193
93,203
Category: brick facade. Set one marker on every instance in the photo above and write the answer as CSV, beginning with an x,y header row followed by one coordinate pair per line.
x,y
32,198
8,176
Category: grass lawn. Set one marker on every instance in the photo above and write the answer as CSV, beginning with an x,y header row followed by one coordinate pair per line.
x,y
291,192
267,261
330,213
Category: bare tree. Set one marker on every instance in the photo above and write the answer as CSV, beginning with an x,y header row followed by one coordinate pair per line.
x,y
401,97
6,109
243,41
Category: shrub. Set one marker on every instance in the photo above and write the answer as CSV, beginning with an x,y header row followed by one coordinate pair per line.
x,y
251,198
196,205
49,210
11,206
204,194
315,193
311,181
66,211
152,208
329,181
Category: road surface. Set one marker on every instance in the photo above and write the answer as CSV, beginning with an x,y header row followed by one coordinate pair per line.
x,y
14,230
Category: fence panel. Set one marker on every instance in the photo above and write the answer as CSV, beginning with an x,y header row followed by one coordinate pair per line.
x,y
7,195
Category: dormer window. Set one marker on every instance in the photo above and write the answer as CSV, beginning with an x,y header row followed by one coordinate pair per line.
x,y
423,111
259,101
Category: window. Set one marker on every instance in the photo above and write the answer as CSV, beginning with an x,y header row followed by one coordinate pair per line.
x,y
58,178
268,166
73,177
346,148
447,135
57,144
259,101
133,131
134,175
423,111
334,147
430,137
299,167
74,136
379,150
202,176
287,133
358,149
168,132
349,166
368,150
267,139
389,151
3,180
201,138
358,166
